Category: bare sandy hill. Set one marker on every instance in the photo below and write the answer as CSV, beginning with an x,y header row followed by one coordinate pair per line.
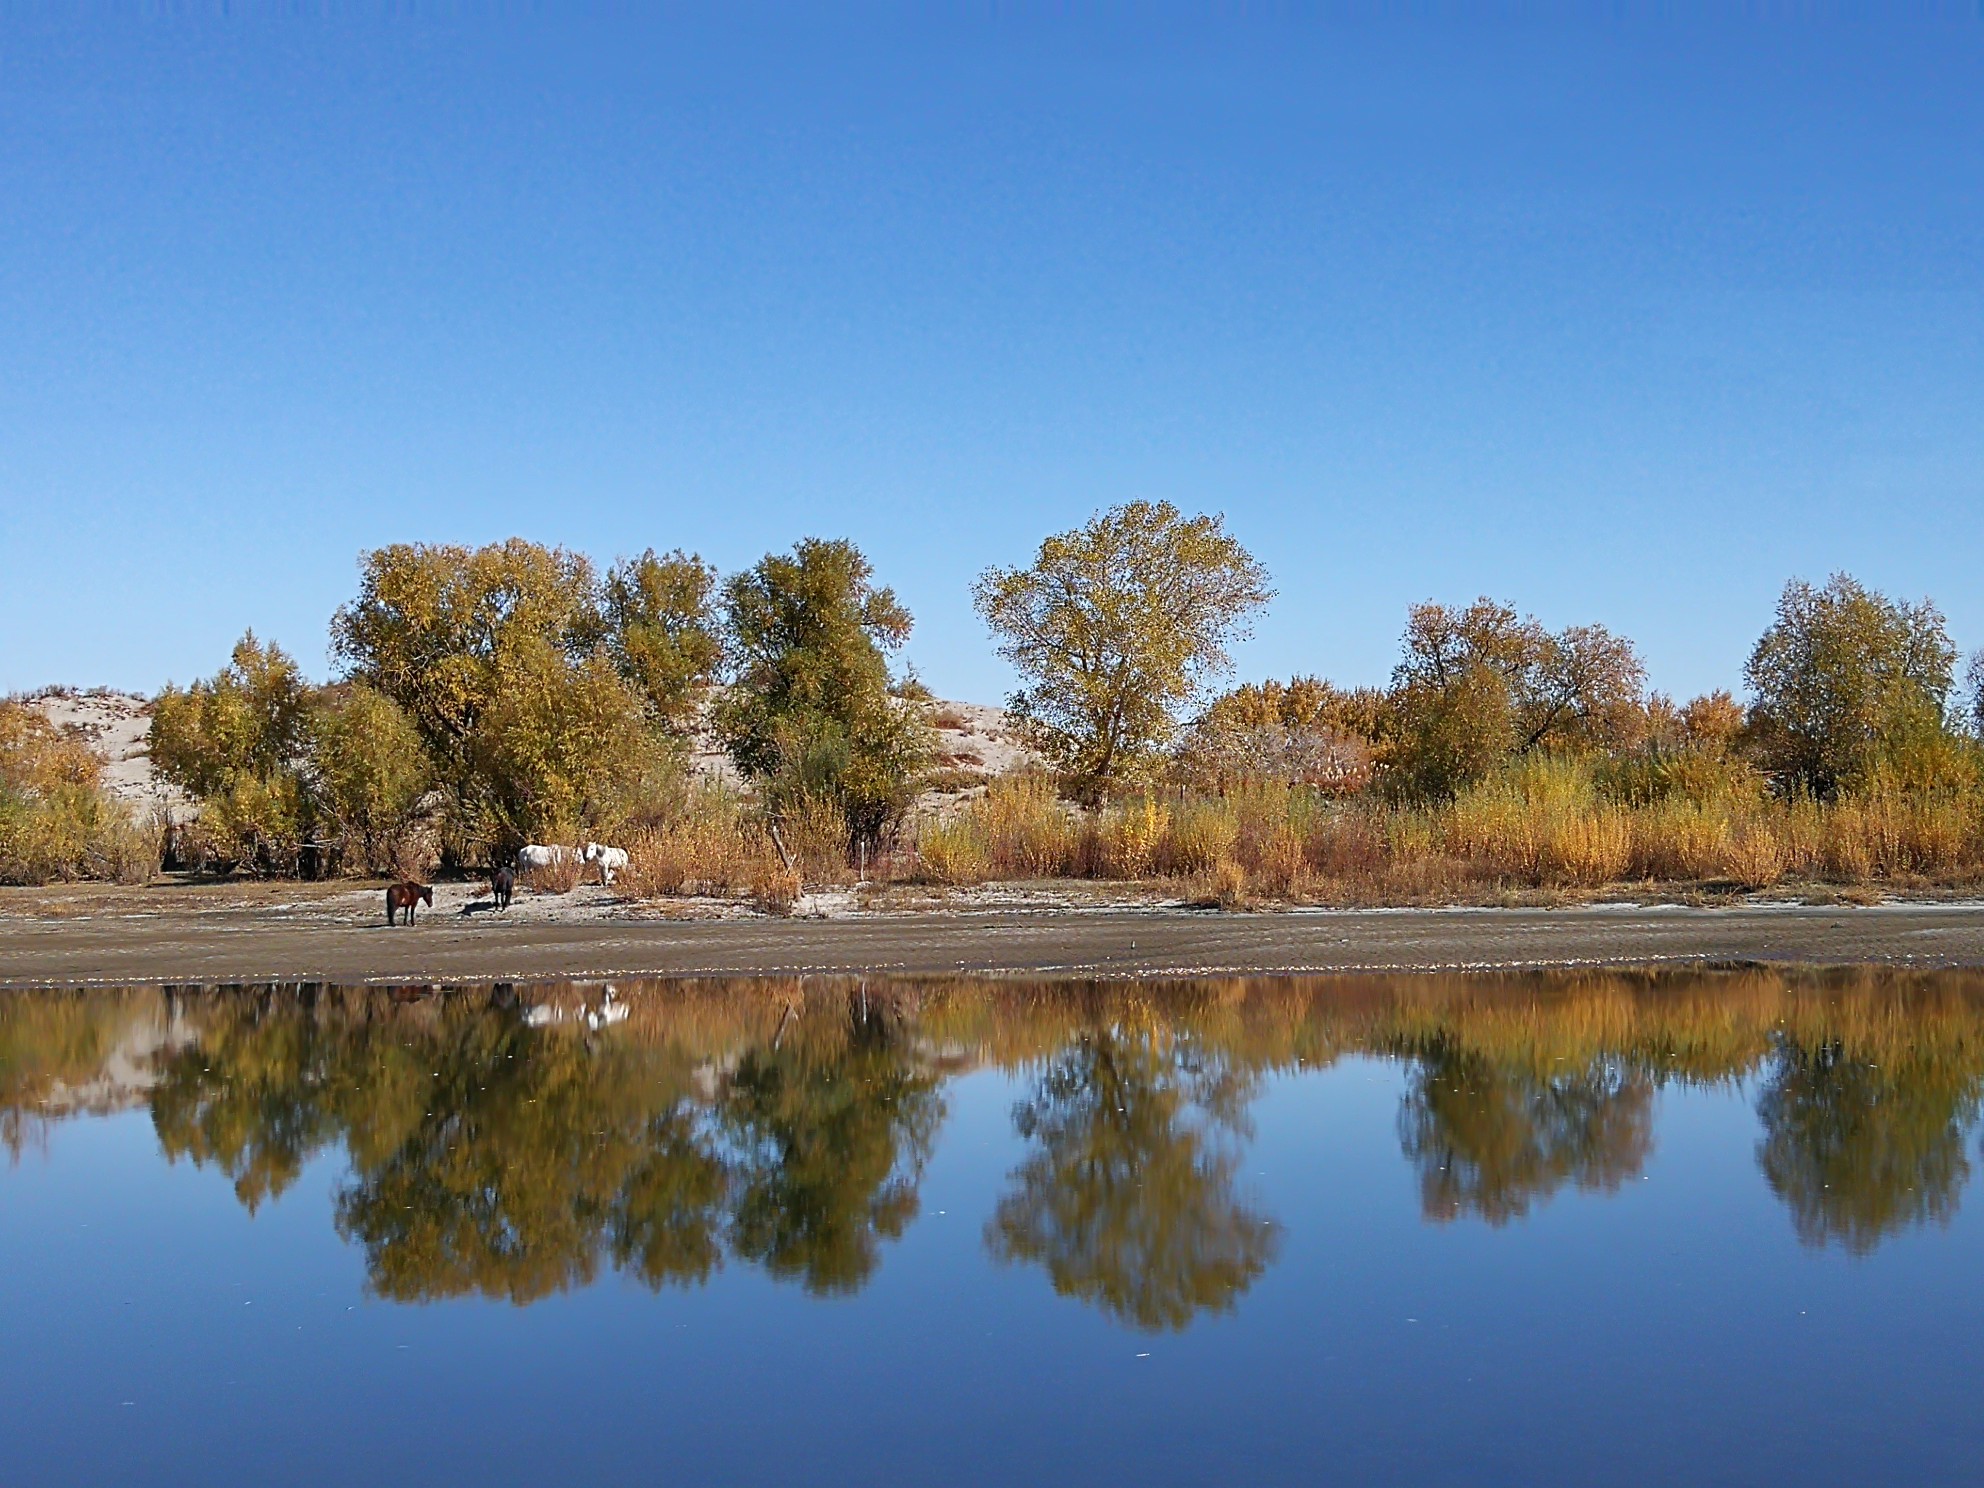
x,y
115,724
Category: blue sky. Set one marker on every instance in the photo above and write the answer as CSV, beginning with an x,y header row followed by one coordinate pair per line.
x,y
1621,321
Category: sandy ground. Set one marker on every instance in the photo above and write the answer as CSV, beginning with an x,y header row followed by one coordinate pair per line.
x,y
101,935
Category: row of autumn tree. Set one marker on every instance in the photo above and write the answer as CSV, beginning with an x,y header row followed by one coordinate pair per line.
x,y
1848,691
515,693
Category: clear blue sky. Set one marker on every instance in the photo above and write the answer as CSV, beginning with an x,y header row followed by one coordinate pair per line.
x,y
1622,322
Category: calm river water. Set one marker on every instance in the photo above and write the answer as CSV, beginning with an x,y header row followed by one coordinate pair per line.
x,y
1575,1228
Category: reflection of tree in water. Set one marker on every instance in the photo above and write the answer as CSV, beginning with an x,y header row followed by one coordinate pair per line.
x,y
1859,1150
828,1153
275,1079
666,1223
490,1157
1491,1139
74,1053
788,1130
510,1179
1127,1197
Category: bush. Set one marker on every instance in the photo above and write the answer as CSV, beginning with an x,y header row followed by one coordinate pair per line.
x,y
1540,821
1200,836
1699,776
954,851
560,876
714,846
814,832
56,822
252,823
236,742
776,890
1028,832
1226,884
1304,732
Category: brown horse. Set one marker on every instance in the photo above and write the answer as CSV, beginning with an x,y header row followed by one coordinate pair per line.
x,y
408,896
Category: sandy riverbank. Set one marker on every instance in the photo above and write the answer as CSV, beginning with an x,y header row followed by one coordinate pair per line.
x,y
98,935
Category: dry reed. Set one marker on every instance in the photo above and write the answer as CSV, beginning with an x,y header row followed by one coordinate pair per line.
x,y
558,877
1543,825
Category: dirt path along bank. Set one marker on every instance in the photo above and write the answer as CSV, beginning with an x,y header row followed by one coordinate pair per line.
x,y
286,942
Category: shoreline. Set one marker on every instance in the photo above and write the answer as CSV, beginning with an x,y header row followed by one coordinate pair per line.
x,y
288,933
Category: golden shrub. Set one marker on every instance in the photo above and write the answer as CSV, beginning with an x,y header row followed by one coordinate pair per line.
x,y
560,877
1131,835
1756,855
1201,835
954,852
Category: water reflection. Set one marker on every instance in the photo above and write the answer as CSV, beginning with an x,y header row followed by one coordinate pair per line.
x,y
488,1156
1861,1149
786,1126
1489,1139
826,1138
1126,1196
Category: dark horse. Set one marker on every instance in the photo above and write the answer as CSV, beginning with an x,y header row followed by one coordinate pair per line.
x,y
503,884
408,896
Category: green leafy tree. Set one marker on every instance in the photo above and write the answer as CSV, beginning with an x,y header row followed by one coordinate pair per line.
x,y
809,713
1115,628
664,633
1845,681
542,712
1479,686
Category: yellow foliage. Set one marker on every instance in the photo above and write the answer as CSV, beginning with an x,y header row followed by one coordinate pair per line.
x,y
55,820
1132,833
954,851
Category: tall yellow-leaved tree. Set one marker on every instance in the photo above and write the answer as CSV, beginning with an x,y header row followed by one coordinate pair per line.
x,y
1115,628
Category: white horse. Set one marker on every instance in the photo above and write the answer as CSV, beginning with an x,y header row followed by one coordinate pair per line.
x,y
609,860
535,855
